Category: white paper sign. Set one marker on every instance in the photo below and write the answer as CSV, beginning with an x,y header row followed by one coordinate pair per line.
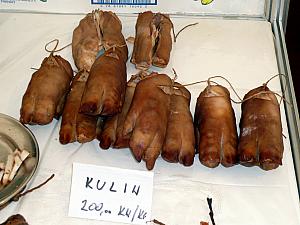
x,y
111,194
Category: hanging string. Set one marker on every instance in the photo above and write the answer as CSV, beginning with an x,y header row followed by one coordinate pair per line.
x,y
55,47
277,75
182,29
16,198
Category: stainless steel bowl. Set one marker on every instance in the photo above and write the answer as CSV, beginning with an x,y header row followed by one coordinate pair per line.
x,y
14,135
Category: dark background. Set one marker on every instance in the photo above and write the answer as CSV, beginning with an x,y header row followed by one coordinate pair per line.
x,y
293,44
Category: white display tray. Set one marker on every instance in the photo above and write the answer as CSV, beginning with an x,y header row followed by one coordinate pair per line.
x,y
240,50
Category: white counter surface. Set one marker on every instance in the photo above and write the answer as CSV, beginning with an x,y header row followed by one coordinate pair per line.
x,y
240,50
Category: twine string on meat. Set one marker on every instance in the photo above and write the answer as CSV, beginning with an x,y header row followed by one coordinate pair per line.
x,y
241,100
209,81
114,46
284,88
53,50
233,89
142,74
55,47
270,92
265,92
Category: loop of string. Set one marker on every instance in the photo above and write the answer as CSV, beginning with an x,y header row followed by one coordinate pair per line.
x,y
55,47
209,82
231,86
271,92
53,50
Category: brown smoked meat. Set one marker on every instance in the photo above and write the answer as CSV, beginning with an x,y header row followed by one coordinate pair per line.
x,y
179,145
105,89
45,95
112,133
260,141
215,127
153,41
147,118
76,126
85,43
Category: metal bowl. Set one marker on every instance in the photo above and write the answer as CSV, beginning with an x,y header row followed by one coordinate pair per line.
x,y
14,135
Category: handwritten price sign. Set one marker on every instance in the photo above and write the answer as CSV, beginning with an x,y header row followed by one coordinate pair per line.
x,y
111,194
